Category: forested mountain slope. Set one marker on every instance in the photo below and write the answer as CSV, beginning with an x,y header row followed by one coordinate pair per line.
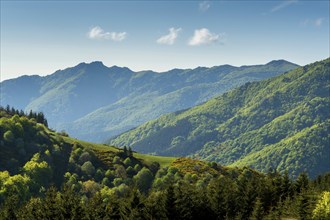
x,y
95,102
34,157
49,175
280,123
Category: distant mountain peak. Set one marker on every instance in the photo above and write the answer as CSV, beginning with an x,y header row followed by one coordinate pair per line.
x,y
280,62
118,68
227,66
200,68
93,64
97,63
96,67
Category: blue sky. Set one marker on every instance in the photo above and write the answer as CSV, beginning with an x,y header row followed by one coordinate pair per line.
x,y
40,37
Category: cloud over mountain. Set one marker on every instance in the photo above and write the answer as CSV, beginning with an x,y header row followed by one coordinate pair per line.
x,y
204,36
97,33
170,38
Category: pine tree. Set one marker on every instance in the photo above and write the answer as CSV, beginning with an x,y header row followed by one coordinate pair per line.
x,y
30,114
8,109
125,151
71,205
286,186
137,206
184,200
51,208
130,152
218,198
303,206
247,193
258,210
155,205
117,210
302,182
170,200
7,211
96,208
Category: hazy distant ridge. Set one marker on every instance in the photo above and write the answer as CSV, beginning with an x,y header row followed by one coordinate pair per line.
x,y
94,102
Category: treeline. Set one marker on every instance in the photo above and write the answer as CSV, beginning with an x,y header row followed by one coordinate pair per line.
x,y
38,116
245,195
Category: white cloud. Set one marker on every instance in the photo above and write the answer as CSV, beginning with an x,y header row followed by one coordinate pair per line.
x,y
97,33
311,22
318,22
169,38
305,22
204,36
204,6
283,4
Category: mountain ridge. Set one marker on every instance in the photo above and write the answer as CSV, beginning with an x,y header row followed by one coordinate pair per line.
x,y
231,126
117,99
100,63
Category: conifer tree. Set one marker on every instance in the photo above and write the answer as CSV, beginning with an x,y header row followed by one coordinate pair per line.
x,y
258,210
130,152
170,201
125,151
137,206
50,206
303,206
302,182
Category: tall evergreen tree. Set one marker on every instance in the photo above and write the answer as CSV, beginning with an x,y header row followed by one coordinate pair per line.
x,y
258,210
130,152
304,206
170,201
302,182
125,151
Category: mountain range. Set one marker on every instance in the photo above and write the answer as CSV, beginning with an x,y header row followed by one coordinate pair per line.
x,y
94,102
280,123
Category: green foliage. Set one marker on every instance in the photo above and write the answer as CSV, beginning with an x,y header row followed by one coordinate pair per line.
x,y
39,172
34,157
88,168
190,166
258,212
95,181
233,194
280,123
14,185
127,162
322,209
8,136
116,160
304,207
144,179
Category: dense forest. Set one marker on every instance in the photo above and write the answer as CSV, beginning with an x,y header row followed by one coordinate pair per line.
x,y
280,123
48,175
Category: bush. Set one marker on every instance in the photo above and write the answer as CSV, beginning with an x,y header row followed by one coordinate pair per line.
x,y
8,136
88,168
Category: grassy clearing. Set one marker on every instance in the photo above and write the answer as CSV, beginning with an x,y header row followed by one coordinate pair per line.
x,y
148,159
105,152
